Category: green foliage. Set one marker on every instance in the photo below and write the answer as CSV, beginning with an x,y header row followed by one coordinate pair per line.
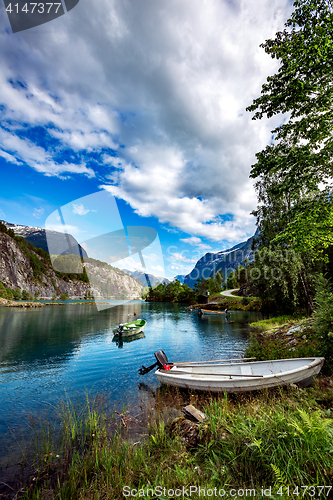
x,y
303,87
213,284
9,293
17,294
3,291
64,296
232,280
282,278
300,159
324,318
171,292
268,324
26,295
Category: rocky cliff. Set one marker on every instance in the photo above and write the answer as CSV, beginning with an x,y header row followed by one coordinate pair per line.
x,y
26,269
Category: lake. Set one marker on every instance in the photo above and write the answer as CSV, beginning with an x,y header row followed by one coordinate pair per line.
x,y
52,352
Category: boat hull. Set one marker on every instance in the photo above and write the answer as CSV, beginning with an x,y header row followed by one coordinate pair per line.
x,y
129,331
211,311
239,377
128,338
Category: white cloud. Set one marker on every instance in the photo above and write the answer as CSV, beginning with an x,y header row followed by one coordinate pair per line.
x,y
195,241
180,257
158,268
79,209
9,158
37,158
170,82
38,212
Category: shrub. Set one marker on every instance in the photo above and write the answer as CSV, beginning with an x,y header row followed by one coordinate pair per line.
x,y
17,295
26,295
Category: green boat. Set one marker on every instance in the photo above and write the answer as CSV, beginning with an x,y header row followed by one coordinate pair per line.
x,y
129,329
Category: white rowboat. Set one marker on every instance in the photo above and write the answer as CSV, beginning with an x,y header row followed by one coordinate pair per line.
x,y
241,377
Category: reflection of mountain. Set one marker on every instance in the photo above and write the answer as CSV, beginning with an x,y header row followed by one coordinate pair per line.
x,y
53,333
37,236
146,279
227,261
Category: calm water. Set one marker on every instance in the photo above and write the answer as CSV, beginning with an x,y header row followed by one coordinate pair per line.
x,y
57,350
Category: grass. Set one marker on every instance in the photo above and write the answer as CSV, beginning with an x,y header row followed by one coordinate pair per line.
x,y
271,323
233,303
276,342
275,438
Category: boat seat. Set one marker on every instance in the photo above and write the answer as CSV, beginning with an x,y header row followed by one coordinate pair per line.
x,y
246,370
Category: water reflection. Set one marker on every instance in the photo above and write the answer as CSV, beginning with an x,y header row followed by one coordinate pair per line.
x,y
54,351
38,334
120,340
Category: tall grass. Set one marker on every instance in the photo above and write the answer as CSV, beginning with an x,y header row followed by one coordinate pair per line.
x,y
280,437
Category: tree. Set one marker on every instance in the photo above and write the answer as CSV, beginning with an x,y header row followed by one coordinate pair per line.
x,y
301,156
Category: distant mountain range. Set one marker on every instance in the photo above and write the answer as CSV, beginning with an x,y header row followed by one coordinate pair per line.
x,y
227,261
37,236
207,266
147,279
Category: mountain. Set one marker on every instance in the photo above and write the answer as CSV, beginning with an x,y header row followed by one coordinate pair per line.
x,y
146,279
29,269
37,236
179,277
226,260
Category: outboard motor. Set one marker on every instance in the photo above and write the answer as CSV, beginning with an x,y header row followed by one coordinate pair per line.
x,y
161,362
161,358
120,330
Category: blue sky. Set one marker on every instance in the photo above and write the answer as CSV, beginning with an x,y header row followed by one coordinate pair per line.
x,y
145,100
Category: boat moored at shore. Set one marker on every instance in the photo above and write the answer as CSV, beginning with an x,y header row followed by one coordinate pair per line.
x,y
243,376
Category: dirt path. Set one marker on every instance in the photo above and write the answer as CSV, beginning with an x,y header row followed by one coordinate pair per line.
x,y
228,293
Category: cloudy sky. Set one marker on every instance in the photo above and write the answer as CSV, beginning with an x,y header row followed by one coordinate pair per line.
x,y
145,99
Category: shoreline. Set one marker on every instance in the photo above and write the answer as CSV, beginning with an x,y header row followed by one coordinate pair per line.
x,y
31,304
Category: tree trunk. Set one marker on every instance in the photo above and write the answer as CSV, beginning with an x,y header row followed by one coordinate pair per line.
x,y
309,300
